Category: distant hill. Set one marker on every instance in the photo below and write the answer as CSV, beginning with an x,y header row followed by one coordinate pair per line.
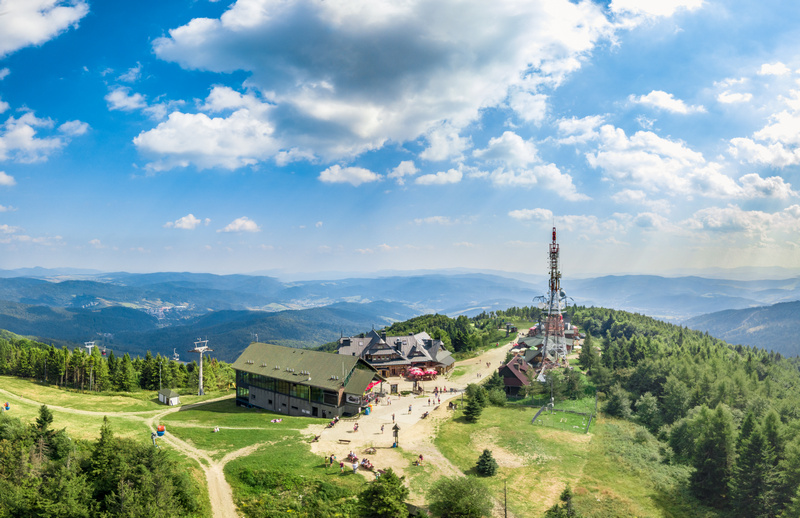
x,y
775,328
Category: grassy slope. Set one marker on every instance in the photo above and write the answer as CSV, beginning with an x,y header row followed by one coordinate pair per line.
x,y
611,473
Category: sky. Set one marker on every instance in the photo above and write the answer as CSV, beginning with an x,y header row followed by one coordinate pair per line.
x,y
369,135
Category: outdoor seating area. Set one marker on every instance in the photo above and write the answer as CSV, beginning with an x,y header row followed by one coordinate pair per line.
x,y
418,374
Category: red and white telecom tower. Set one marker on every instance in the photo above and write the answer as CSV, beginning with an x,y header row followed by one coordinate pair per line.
x,y
554,348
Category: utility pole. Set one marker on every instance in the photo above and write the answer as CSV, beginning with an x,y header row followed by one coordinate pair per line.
x,y
201,346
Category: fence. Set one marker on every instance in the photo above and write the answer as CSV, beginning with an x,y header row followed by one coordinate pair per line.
x,y
569,415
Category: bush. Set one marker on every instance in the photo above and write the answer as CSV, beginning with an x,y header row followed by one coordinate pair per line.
x,y
459,497
497,397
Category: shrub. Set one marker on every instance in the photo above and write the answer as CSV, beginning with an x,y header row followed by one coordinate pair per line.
x,y
497,397
486,466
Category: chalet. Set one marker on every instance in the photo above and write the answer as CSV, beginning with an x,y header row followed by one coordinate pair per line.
x,y
515,375
394,355
301,382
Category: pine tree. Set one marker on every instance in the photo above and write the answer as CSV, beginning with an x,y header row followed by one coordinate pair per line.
x,y
588,357
486,466
753,481
648,413
618,404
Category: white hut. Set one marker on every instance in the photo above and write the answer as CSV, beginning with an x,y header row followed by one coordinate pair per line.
x,y
168,397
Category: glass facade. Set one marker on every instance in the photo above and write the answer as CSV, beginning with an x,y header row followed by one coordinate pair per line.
x,y
244,380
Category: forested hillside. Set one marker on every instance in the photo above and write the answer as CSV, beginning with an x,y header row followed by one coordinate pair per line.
x,y
732,413
774,328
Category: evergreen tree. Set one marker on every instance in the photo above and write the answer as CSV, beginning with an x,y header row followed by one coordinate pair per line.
x,y
565,510
713,456
588,358
752,484
476,401
494,382
486,466
44,420
385,497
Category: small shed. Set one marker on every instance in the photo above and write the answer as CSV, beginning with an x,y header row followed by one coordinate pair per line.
x,y
168,397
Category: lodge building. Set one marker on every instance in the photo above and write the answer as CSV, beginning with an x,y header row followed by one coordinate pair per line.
x,y
300,382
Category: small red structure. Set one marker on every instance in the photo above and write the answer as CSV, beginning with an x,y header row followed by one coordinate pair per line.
x,y
161,430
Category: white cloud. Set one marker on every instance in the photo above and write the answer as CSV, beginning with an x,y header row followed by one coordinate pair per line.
x,y
188,222
464,244
530,107
355,176
18,139
120,99
183,139
4,208
405,168
97,243
4,73
132,74
727,97
579,131
444,143
440,178
652,8
773,187
6,180
73,128
382,71
3,106
665,101
532,214
318,224
777,144
648,162
764,226
243,224
509,149
33,22
439,220
774,69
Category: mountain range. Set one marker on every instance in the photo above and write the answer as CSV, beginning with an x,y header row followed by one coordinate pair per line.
x,y
165,311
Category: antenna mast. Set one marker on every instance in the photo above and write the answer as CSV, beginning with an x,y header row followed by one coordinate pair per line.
x,y
554,348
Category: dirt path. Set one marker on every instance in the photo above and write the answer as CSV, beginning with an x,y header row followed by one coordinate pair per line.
x,y
415,435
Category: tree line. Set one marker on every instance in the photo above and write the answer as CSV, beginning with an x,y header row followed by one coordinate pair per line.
x,y
92,371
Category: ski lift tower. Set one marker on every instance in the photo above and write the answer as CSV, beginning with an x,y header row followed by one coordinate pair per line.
x,y
554,347
201,346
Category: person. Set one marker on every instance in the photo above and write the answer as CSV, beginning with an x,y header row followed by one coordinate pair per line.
x,y
409,409
393,418
381,428
420,459
429,401
355,467
355,427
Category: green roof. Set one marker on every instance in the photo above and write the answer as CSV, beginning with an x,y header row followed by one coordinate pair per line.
x,y
313,368
168,393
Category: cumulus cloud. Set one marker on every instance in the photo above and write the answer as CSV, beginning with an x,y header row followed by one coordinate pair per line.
x,y
774,69
120,98
405,168
651,163
727,97
665,101
653,8
7,180
777,144
225,142
4,208
18,140
4,73
243,224
440,178
33,22
532,214
579,131
381,71
355,176
189,222
510,149
765,227
73,128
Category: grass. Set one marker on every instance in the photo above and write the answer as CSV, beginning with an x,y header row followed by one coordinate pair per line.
x,y
139,401
614,471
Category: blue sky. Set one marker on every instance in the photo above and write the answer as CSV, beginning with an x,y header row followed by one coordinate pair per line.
x,y
359,136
